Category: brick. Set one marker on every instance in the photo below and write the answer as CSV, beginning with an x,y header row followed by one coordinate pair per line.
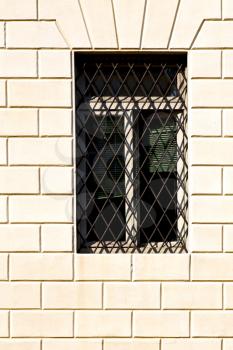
x,y
129,27
205,64
206,180
37,151
161,324
3,151
161,267
19,295
17,63
228,295
156,17
227,11
57,180
212,267
4,324
33,209
39,93
227,180
189,18
103,323
16,122
74,344
2,34
131,344
132,295
19,344
228,238
3,209
56,122
214,34
16,238
227,122
210,209
81,295
227,64
41,266
102,267
205,238
41,324
212,324
191,344
19,180
69,18
194,295
54,64
2,93
33,35
57,238
3,266
12,9
205,122
102,33
211,151
227,344
212,92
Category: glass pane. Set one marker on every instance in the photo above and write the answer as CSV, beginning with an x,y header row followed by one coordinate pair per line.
x,y
105,179
157,176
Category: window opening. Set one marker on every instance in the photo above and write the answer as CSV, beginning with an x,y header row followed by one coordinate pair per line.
x,y
131,153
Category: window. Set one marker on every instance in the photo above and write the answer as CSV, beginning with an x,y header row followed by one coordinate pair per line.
x,y
131,152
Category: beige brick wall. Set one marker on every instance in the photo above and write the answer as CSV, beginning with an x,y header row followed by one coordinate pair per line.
x,y
52,298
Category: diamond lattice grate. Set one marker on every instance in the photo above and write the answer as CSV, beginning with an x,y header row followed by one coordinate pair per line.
x,y
131,153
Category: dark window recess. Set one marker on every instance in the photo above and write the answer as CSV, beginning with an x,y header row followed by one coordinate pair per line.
x,y
131,153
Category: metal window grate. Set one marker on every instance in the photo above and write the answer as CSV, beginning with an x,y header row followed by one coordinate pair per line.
x,y
131,153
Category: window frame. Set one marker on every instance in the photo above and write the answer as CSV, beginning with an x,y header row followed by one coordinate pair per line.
x,y
160,246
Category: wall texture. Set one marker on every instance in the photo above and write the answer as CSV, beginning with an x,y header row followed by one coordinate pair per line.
x,y
52,298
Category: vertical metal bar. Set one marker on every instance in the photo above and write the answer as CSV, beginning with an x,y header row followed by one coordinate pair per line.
x,y
181,165
82,199
130,212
